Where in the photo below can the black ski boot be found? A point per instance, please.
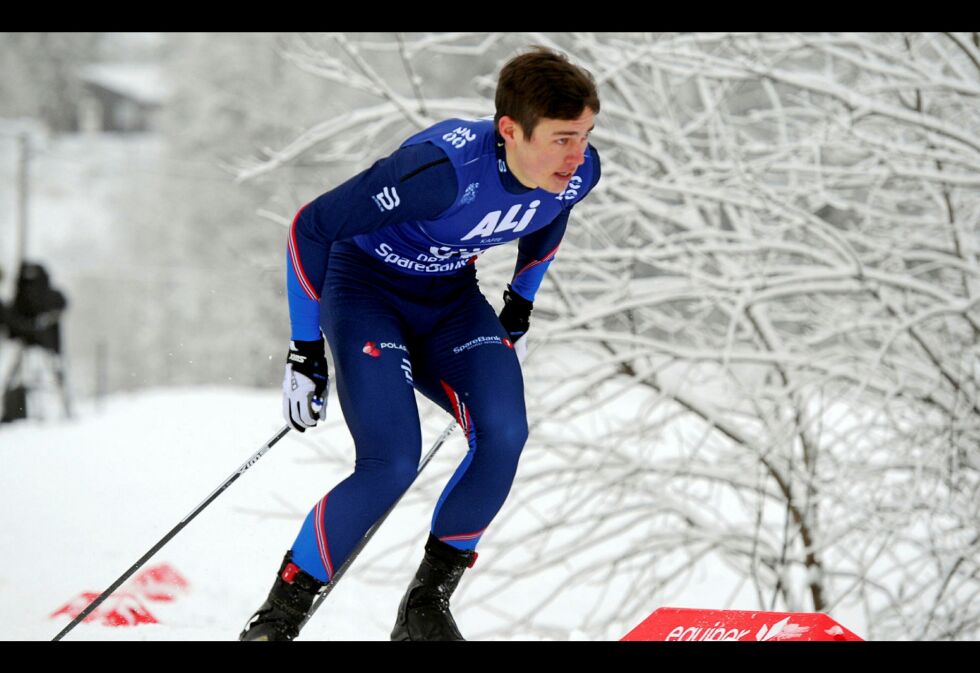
(424, 611)
(289, 601)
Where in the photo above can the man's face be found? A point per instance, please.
(548, 158)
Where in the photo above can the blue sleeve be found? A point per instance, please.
(414, 183)
(537, 250)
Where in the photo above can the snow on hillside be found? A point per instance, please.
(84, 499)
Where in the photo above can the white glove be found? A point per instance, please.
(304, 387)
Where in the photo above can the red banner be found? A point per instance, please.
(684, 624)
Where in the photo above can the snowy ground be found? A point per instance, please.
(84, 499)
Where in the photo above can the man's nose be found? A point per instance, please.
(577, 157)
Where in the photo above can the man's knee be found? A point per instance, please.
(506, 435)
(395, 473)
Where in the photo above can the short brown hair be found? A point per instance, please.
(543, 84)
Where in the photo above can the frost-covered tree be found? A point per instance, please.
(757, 350)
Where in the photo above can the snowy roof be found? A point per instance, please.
(143, 82)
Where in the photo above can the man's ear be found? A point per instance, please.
(509, 129)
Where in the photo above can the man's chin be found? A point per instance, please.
(557, 184)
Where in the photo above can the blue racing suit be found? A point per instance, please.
(384, 266)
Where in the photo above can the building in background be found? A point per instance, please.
(121, 97)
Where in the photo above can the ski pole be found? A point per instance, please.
(377, 524)
(176, 529)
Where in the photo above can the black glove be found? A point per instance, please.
(304, 389)
(516, 319)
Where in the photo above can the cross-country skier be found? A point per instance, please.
(384, 266)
